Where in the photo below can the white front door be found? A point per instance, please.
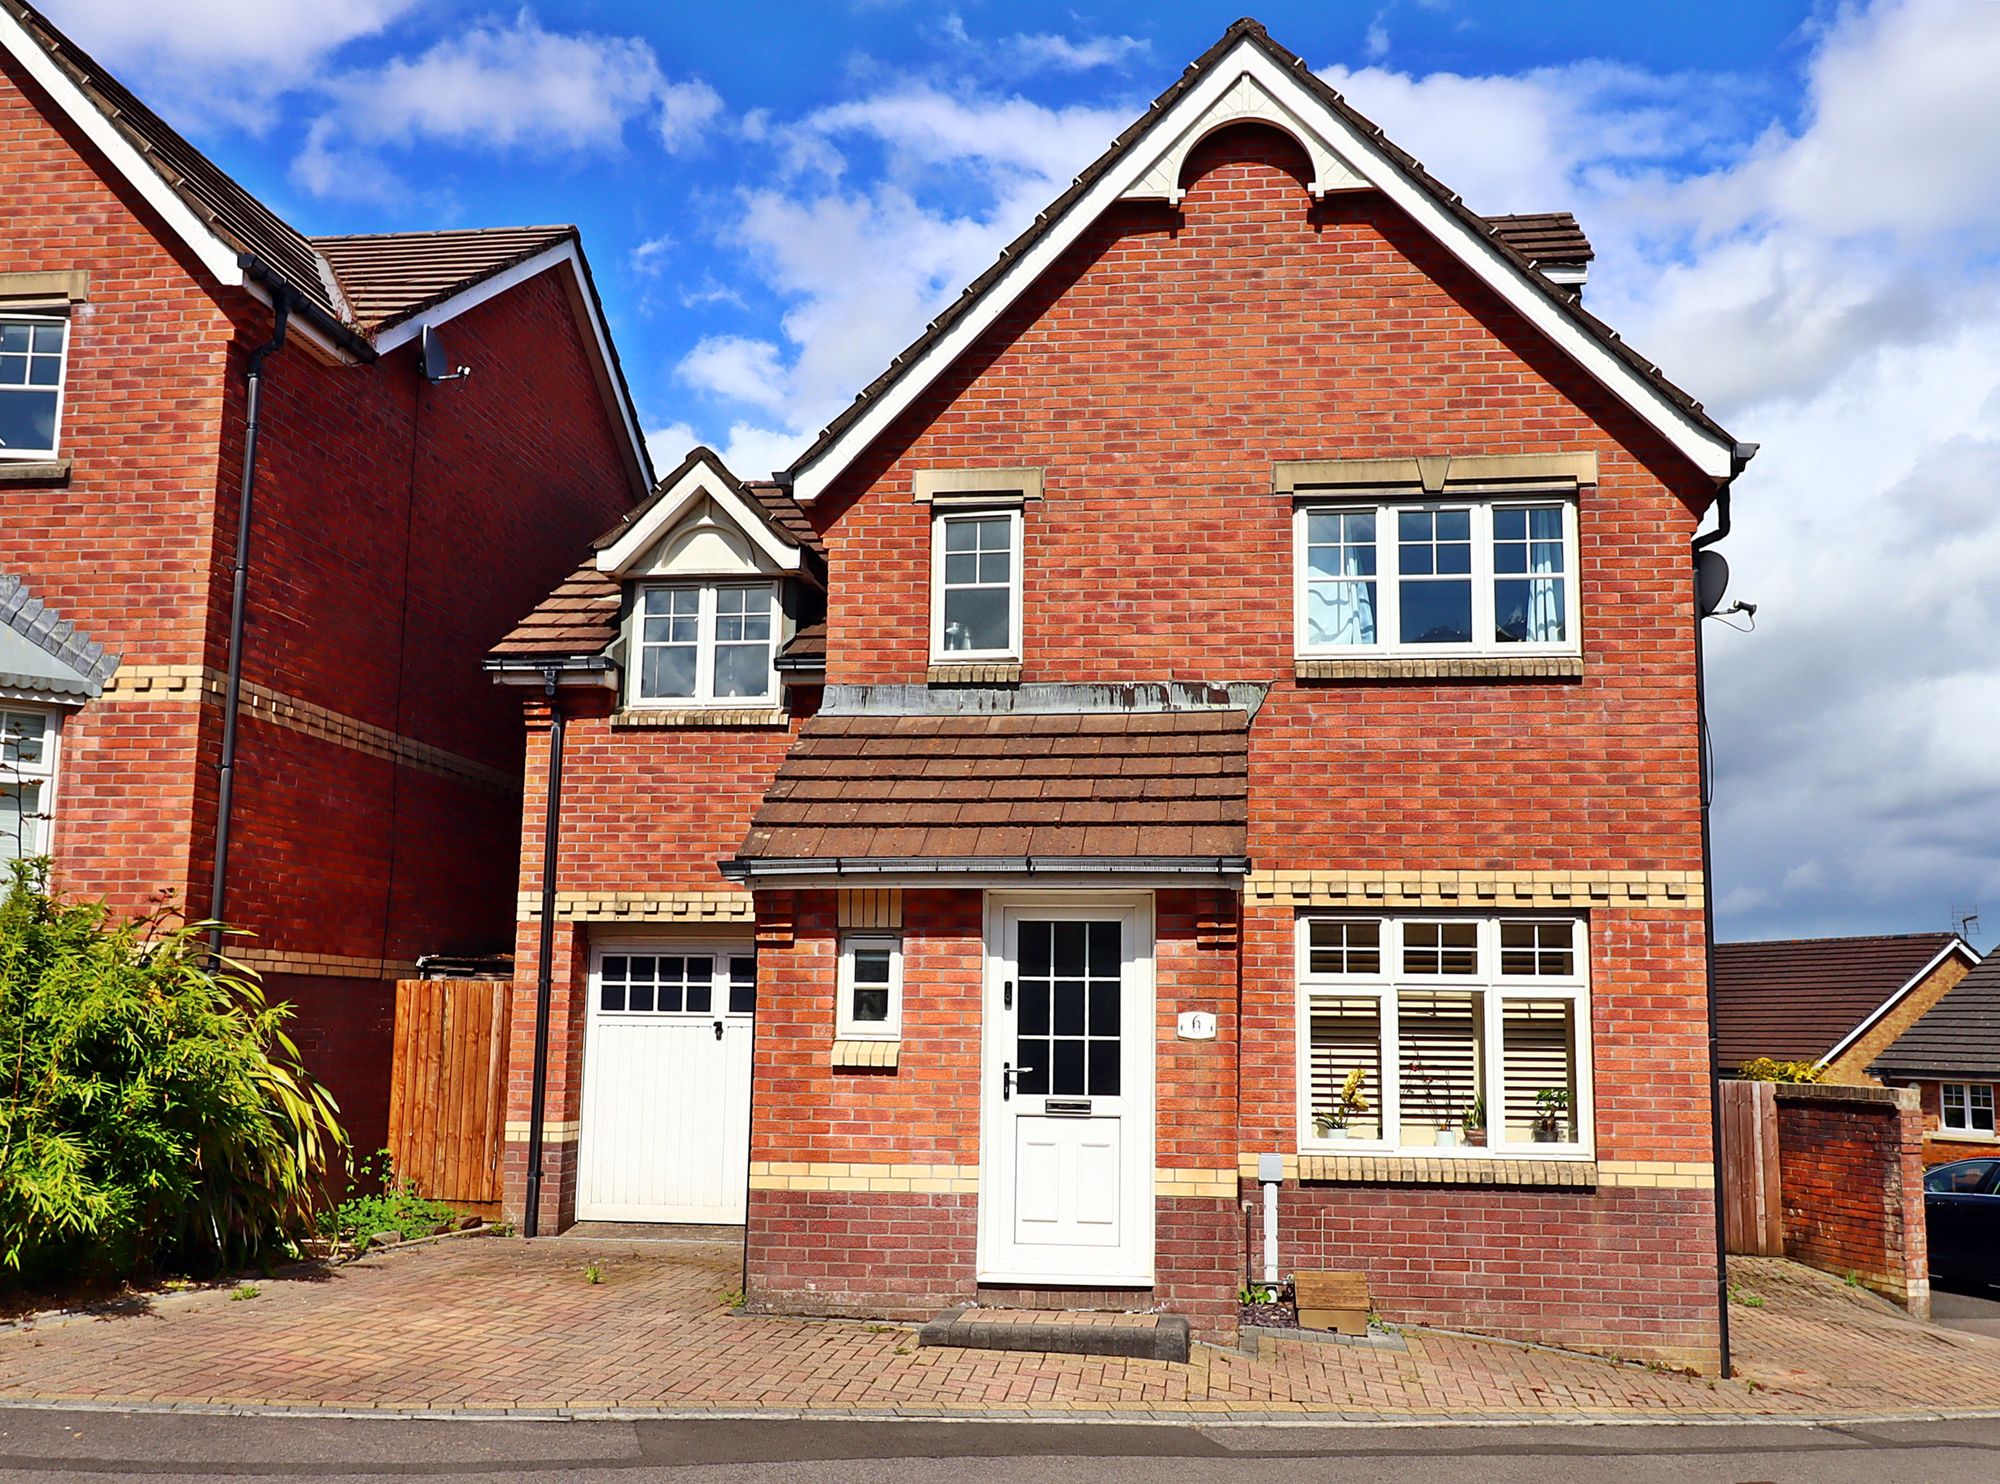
(1066, 1177)
(666, 1083)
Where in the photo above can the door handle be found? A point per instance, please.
(718, 1030)
(1009, 1075)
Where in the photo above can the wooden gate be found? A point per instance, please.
(1752, 1216)
(448, 1088)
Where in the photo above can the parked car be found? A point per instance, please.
(1962, 1210)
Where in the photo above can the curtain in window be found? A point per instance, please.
(1545, 584)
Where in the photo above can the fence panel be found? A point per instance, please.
(448, 1087)
(1753, 1216)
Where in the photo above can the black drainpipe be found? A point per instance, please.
(532, 1218)
(1700, 544)
(232, 695)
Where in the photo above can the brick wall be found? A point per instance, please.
(1851, 1066)
(1851, 1161)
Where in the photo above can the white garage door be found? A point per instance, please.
(666, 1083)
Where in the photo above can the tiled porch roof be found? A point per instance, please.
(1008, 793)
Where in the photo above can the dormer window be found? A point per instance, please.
(33, 350)
(705, 644)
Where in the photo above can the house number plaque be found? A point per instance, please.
(1197, 1025)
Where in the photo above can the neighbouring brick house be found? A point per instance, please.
(1244, 651)
(399, 526)
(1835, 1003)
(1950, 1053)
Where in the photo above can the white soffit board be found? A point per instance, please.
(216, 255)
(563, 253)
(1234, 83)
(708, 480)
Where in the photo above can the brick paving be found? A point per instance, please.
(498, 1323)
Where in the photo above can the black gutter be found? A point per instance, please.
(276, 284)
(1700, 544)
(282, 300)
(531, 1219)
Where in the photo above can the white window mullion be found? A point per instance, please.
(1482, 576)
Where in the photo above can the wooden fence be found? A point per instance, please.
(1752, 1213)
(448, 1088)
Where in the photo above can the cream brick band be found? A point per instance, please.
(641, 718)
(566, 1132)
(1554, 667)
(203, 685)
(866, 1056)
(321, 965)
(1389, 1169)
(662, 907)
(1216, 1184)
(1417, 888)
(915, 1179)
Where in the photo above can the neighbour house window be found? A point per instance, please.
(1425, 1033)
(27, 781)
(976, 585)
(1966, 1107)
(698, 983)
(1457, 577)
(32, 351)
(871, 987)
(705, 644)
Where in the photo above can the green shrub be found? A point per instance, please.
(398, 1208)
(1769, 1069)
(153, 1113)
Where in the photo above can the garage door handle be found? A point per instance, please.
(718, 1030)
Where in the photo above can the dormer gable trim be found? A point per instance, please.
(1247, 74)
(701, 477)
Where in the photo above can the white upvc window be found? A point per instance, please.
(871, 987)
(975, 585)
(28, 738)
(705, 644)
(1443, 1034)
(34, 352)
(1966, 1107)
(1444, 577)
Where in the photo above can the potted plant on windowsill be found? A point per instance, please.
(1552, 1115)
(1475, 1122)
(1333, 1125)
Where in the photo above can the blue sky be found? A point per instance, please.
(1796, 207)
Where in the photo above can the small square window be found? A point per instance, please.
(33, 348)
(870, 1004)
(1966, 1107)
(976, 585)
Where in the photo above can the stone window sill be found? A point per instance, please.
(1458, 667)
(866, 1056)
(43, 471)
(632, 717)
(989, 674)
(1390, 1169)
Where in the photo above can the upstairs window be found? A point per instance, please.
(1449, 577)
(33, 348)
(976, 585)
(27, 781)
(705, 644)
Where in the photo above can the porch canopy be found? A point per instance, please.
(894, 784)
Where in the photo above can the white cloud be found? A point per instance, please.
(1068, 54)
(687, 110)
(226, 59)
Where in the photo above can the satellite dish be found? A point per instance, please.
(437, 360)
(1711, 581)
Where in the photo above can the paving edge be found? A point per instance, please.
(1357, 1420)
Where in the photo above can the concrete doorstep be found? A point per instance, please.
(1132, 1336)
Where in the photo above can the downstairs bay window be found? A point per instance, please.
(27, 780)
(1963, 1107)
(1443, 1035)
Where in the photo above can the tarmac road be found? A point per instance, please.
(41, 1445)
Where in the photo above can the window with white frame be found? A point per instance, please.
(702, 644)
(706, 982)
(1445, 577)
(976, 585)
(1966, 1107)
(27, 780)
(871, 987)
(1428, 1033)
(33, 349)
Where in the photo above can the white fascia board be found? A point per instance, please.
(1712, 455)
(704, 479)
(214, 254)
(1956, 945)
(600, 337)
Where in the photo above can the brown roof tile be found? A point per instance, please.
(1799, 998)
(1544, 238)
(579, 618)
(1057, 787)
(387, 277)
(1959, 1035)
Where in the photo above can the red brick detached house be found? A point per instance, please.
(1224, 696)
(397, 528)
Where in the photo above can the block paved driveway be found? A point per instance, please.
(496, 1323)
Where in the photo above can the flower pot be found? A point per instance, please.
(1476, 1137)
(1447, 1138)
